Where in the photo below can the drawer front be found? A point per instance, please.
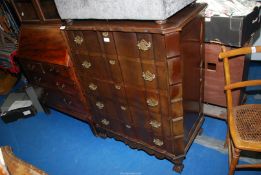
(107, 89)
(32, 66)
(92, 66)
(115, 110)
(26, 10)
(58, 71)
(153, 101)
(64, 102)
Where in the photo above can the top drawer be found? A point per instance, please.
(145, 46)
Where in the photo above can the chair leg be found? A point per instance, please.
(234, 160)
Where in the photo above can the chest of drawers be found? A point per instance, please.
(143, 80)
(46, 63)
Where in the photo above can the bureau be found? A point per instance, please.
(143, 80)
(43, 55)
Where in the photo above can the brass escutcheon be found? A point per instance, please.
(112, 62)
(152, 102)
(158, 142)
(128, 126)
(78, 40)
(105, 122)
(92, 86)
(86, 64)
(155, 123)
(117, 87)
(100, 105)
(143, 45)
(148, 76)
(123, 108)
(105, 34)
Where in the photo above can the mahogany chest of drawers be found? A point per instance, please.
(44, 58)
(143, 80)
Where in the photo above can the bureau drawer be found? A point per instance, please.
(101, 88)
(32, 66)
(58, 71)
(115, 110)
(93, 66)
(64, 102)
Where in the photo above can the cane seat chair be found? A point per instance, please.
(244, 121)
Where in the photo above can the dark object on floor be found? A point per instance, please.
(244, 121)
(16, 166)
(235, 31)
(17, 106)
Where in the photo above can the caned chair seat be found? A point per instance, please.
(246, 124)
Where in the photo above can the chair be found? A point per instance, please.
(244, 121)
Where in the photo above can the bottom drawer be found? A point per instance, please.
(65, 102)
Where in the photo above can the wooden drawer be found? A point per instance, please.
(32, 66)
(64, 102)
(114, 110)
(36, 10)
(26, 10)
(58, 71)
(107, 89)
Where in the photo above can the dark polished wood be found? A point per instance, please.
(36, 11)
(143, 80)
(43, 55)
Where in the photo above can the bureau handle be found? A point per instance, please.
(144, 45)
(148, 76)
(37, 79)
(100, 105)
(78, 40)
(86, 64)
(105, 34)
(152, 102)
(105, 122)
(155, 123)
(31, 66)
(112, 62)
(128, 126)
(117, 87)
(60, 86)
(123, 108)
(92, 86)
(68, 102)
(158, 142)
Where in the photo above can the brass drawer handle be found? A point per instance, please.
(128, 126)
(152, 102)
(155, 123)
(37, 79)
(117, 87)
(60, 86)
(158, 142)
(78, 40)
(112, 62)
(148, 76)
(123, 108)
(92, 86)
(100, 105)
(143, 45)
(105, 122)
(86, 64)
(105, 34)
(31, 66)
(68, 102)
